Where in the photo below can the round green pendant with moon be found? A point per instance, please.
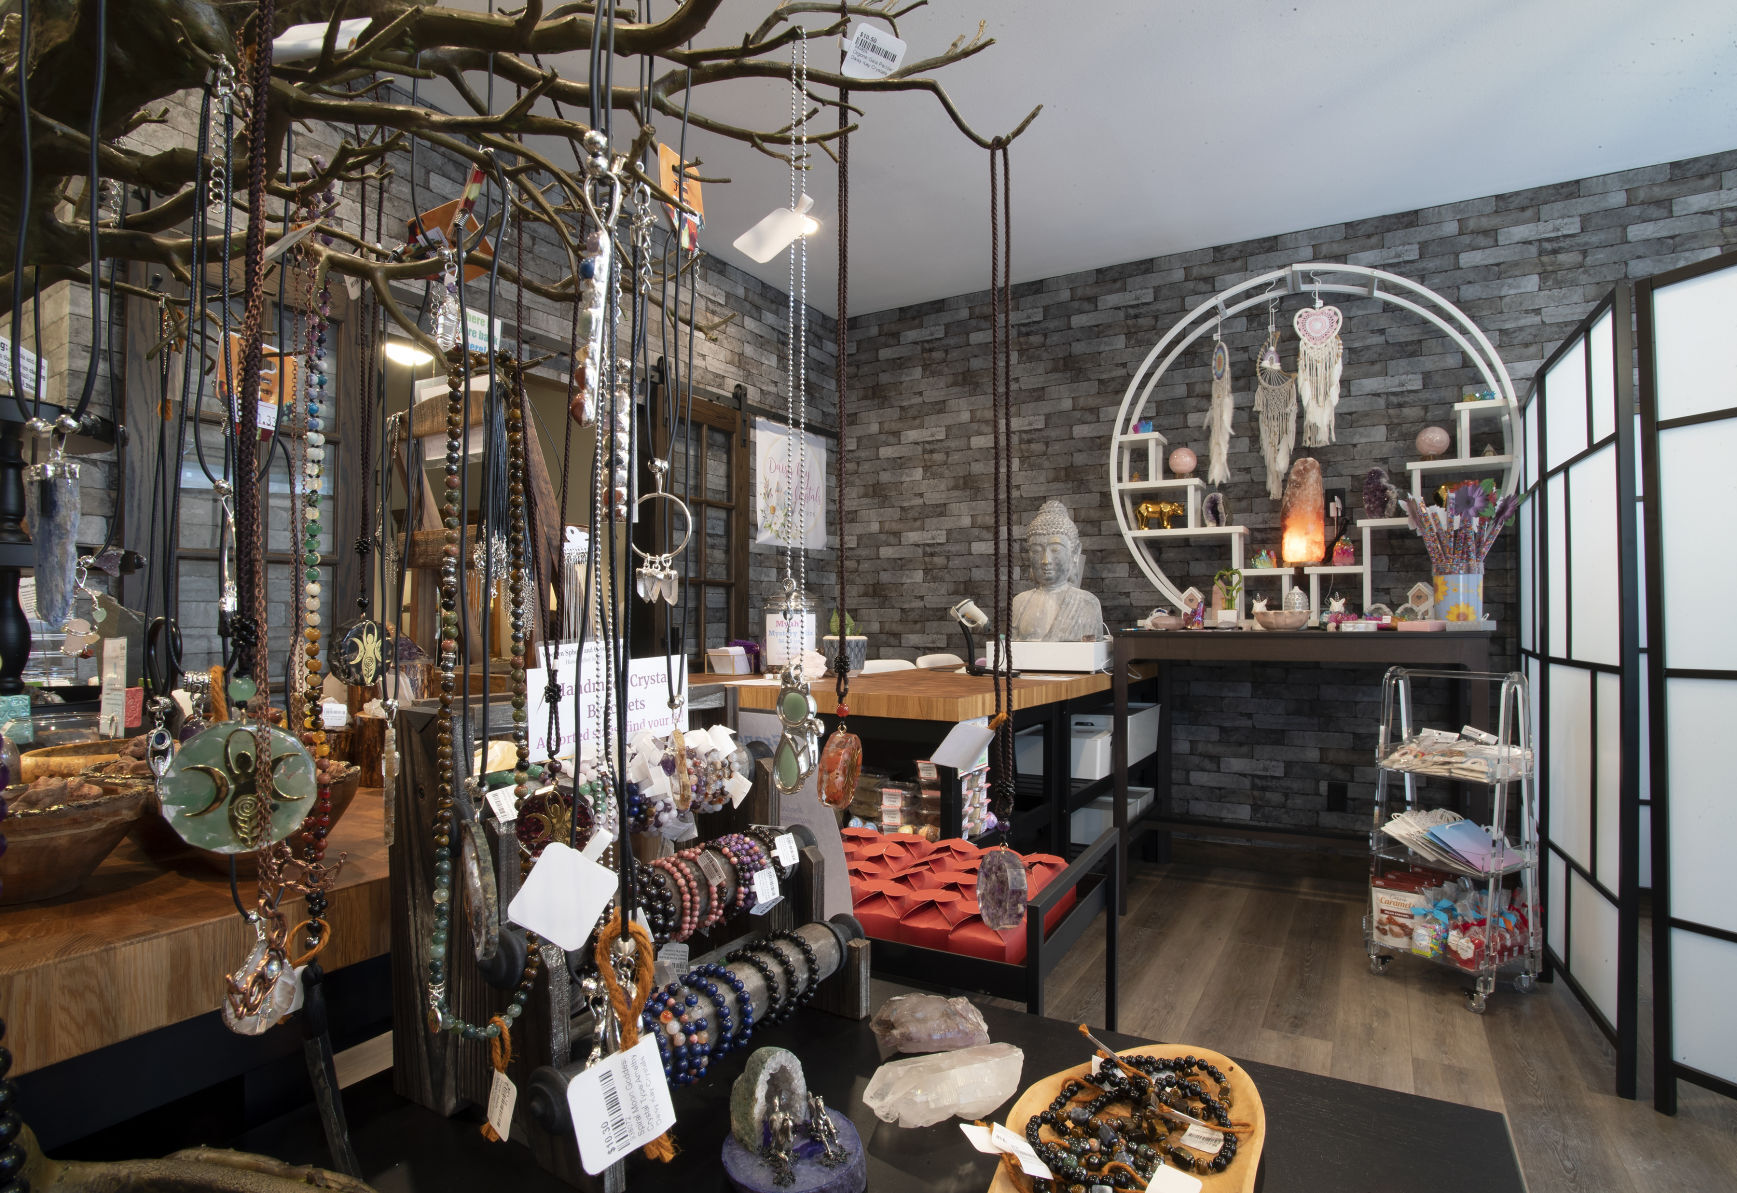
(219, 795)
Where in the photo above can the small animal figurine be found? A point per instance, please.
(1163, 511)
(1260, 605)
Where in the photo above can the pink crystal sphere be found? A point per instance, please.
(1182, 461)
(1433, 441)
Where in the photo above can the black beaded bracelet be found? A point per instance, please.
(808, 956)
(782, 1011)
(752, 959)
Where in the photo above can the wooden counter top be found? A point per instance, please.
(140, 946)
(918, 695)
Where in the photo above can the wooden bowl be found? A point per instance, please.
(52, 851)
(71, 759)
(162, 843)
(1247, 1108)
(1281, 619)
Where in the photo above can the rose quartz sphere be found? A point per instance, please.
(1182, 461)
(1433, 441)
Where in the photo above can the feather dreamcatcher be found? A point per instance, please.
(1276, 408)
(1320, 361)
(1218, 415)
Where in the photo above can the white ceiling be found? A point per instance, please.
(1173, 126)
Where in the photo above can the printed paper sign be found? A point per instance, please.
(648, 708)
(789, 467)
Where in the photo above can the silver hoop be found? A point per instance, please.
(658, 468)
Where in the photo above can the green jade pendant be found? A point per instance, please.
(794, 759)
(214, 794)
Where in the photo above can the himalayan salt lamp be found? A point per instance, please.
(1182, 462)
(1302, 514)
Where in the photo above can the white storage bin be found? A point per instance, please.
(1090, 743)
(1090, 821)
(1142, 732)
(1028, 750)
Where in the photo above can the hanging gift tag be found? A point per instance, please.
(675, 955)
(981, 1138)
(738, 787)
(112, 711)
(1172, 1180)
(563, 896)
(619, 1104)
(500, 802)
(871, 53)
(766, 892)
(784, 849)
(1203, 1139)
(1015, 1144)
(503, 1096)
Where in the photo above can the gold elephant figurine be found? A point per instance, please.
(1161, 510)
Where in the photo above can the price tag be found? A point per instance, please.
(871, 52)
(562, 898)
(675, 955)
(500, 801)
(1203, 1139)
(112, 710)
(619, 1104)
(503, 1096)
(1166, 1179)
(784, 849)
(766, 892)
(334, 714)
(1015, 1145)
(713, 868)
(738, 787)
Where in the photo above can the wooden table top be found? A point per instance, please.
(142, 945)
(918, 694)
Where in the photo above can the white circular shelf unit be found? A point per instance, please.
(1308, 278)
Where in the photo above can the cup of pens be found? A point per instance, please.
(1458, 535)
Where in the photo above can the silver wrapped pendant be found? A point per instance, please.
(51, 502)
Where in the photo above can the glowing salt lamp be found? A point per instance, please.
(1302, 514)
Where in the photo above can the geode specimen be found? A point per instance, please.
(927, 1023)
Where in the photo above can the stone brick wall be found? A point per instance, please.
(1255, 742)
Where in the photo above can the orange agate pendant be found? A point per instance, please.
(840, 764)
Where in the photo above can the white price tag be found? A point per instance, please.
(334, 714)
(619, 1104)
(675, 955)
(1015, 1144)
(503, 1096)
(766, 892)
(562, 898)
(784, 849)
(1203, 1139)
(738, 787)
(500, 802)
(712, 868)
(1172, 1180)
(112, 710)
(871, 53)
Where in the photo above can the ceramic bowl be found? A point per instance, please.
(1280, 620)
(52, 851)
(67, 758)
(164, 844)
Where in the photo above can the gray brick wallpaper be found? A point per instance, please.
(1255, 742)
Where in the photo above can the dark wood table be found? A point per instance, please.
(1323, 1134)
(1468, 650)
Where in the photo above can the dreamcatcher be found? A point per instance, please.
(1320, 361)
(1275, 405)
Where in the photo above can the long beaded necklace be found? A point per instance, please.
(440, 1016)
(311, 465)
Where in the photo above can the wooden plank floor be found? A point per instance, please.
(1270, 967)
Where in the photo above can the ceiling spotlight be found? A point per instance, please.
(403, 352)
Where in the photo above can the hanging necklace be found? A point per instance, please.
(1320, 362)
(841, 760)
(1001, 881)
(1275, 403)
(795, 758)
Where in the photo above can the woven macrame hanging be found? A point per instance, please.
(1218, 415)
(1320, 361)
(1275, 405)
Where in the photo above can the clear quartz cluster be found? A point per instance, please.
(928, 1023)
(920, 1091)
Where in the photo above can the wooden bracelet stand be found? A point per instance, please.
(553, 1037)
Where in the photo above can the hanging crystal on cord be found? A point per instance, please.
(52, 504)
(448, 325)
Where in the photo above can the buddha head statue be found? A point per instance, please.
(1052, 548)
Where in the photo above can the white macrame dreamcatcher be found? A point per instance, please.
(1275, 405)
(1218, 414)
(1320, 361)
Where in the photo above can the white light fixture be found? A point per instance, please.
(403, 352)
(778, 231)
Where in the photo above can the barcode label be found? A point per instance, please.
(1203, 1139)
(619, 1104)
(872, 53)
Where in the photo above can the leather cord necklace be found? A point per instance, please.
(1000, 382)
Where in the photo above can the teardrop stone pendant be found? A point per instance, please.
(787, 766)
(1001, 889)
(840, 765)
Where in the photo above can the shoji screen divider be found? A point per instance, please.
(1580, 647)
(1687, 320)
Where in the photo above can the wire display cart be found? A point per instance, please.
(1490, 856)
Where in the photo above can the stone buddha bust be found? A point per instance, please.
(1057, 609)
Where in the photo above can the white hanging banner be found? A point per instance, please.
(648, 708)
(778, 521)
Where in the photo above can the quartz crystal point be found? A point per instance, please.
(52, 505)
(928, 1023)
(920, 1091)
(1302, 514)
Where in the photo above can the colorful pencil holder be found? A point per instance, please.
(1460, 597)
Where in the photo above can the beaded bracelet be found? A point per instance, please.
(686, 892)
(695, 980)
(760, 966)
(768, 839)
(681, 1040)
(744, 1005)
(781, 1010)
(813, 962)
(748, 858)
(657, 899)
